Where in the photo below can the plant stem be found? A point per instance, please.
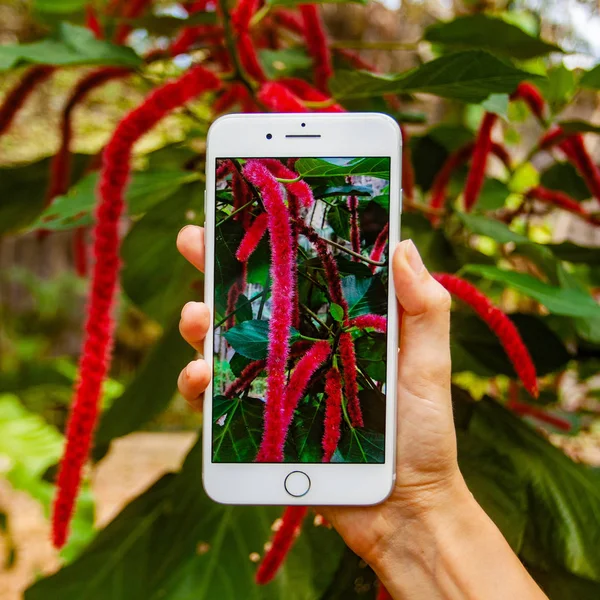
(264, 298)
(282, 180)
(359, 256)
(316, 318)
(260, 14)
(250, 301)
(234, 213)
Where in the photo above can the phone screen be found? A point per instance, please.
(300, 303)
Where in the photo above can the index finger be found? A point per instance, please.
(190, 242)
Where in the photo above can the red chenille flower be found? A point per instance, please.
(333, 413)
(370, 321)
(251, 239)
(278, 98)
(348, 359)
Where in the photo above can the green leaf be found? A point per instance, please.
(559, 87)
(174, 543)
(360, 446)
(491, 228)
(572, 303)
(338, 218)
(575, 254)
(579, 127)
(237, 429)
(59, 6)
(337, 312)
(319, 167)
(493, 195)
(285, 62)
(563, 497)
(145, 189)
(497, 104)
(73, 46)
(307, 432)
(591, 79)
(150, 391)
(23, 191)
(251, 338)
(481, 31)
(469, 76)
(243, 309)
(524, 178)
(564, 177)
(155, 276)
(559, 584)
(364, 295)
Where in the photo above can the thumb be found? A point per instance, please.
(426, 438)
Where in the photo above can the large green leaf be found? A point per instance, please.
(145, 189)
(174, 543)
(565, 178)
(568, 302)
(469, 76)
(490, 33)
(591, 79)
(575, 254)
(364, 295)
(59, 6)
(149, 392)
(251, 338)
(72, 45)
(563, 497)
(360, 446)
(285, 62)
(491, 228)
(237, 429)
(318, 167)
(155, 276)
(23, 191)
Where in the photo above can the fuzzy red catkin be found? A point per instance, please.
(562, 200)
(249, 58)
(348, 359)
(289, 20)
(316, 43)
(502, 154)
(191, 35)
(279, 98)
(308, 93)
(499, 323)
(92, 22)
(305, 369)
(80, 252)
(583, 161)
(60, 168)
(283, 540)
(247, 376)
(532, 97)
(372, 321)
(408, 173)
(526, 410)
(300, 189)
(379, 247)
(223, 169)
(552, 138)
(294, 210)
(242, 195)
(251, 239)
(99, 328)
(280, 239)
(17, 96)
(232, 96)
(132, 10)
(481, 151)
(333, 413)
(242, 14)
(354, 228)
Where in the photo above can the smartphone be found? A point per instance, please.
(302, 212)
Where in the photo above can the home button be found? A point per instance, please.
(297, 484)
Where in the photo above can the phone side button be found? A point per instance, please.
(297, 484)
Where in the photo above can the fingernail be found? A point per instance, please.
(184, 228)
(413, 258)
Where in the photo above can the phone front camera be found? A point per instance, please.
(302, 124)
(269, 136)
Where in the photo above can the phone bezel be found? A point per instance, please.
(340, 134)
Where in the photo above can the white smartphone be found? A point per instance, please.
(302, 211)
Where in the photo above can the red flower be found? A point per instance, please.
(316, 42)
(223, 169)
(371, 321)
(230, 97)
(19, 94)
(280, 239)
(249, 58)
(561, 200)
(80, 252)
(379, 246)
(60, 168)
(252, 238)
(235, 291)
(574, 148)
(305, 369)
(499, 323)
(501, 152)
(552, 138)
(99, 327)
(532, 97)
(354, 228)
(242, 195)
(333, 413)
(283, 539)
(289, 20)
(189, 36)
(278, 98)
(308, 93)
(348, 359)
(92, 22)
(242, 14)
(133, 9)
(300, 189)
(483, 147)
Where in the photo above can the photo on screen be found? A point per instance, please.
(300, 310)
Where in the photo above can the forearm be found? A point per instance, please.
(454, 551)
